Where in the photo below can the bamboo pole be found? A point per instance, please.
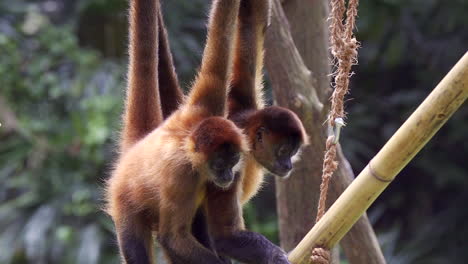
(443, 101)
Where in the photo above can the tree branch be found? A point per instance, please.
(293, 86)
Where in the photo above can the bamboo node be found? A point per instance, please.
(376, 175)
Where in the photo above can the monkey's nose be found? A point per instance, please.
(224, 179)
(286, 165)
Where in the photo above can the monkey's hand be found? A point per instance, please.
(278, 257)
(225, 260)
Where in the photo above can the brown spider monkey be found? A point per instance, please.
(161, 177)
(275, 135)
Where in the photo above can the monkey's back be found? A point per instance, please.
(153, 171)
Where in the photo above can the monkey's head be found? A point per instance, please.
(276, 136)
(217, 147)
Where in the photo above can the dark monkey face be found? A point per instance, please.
(221, 166)
(276, 135)
(276, 153)
(221, 143)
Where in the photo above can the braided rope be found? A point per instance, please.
(329, 167)
(344, 50)
(320, 255)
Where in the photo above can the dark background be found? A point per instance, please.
(62, 78)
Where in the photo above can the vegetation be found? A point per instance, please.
(62, 74)
(55, 151)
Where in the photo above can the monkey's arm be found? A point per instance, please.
(211, 86)
(226, 226)
(169, 89)
(200, 229)
(142, 111)
(176, 239)
(247, 76)
(201, 233)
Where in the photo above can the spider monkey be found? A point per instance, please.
(275, 135)
(161, 177)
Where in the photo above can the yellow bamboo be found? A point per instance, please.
(444, 100)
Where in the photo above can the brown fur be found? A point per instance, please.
(246, 99)
(159, 181)
(224, 207)
(169, 89)
(142, 110)
(155, 170)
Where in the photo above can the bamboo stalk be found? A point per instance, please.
(443, 101)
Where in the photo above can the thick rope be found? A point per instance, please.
(329, 167)
(344, 50)
(320, 255)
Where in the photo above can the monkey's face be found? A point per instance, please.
(221, 166)
(275, 153)
(220, 143)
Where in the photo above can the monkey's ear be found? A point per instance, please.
(306, 140)
(305, 137)
(195, 156)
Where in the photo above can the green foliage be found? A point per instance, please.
(60, 105)
(262, 222)
(55, 155)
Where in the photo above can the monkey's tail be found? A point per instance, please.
(142, 112)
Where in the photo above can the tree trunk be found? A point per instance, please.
(296, 88)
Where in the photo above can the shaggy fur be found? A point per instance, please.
(161, 176)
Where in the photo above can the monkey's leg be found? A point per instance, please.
(174, 233)
(201, 233)
(226, 226)
(135, 240)
(211, 85)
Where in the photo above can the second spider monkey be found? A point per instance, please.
(164, 168)
(275, 136)
(275, 133)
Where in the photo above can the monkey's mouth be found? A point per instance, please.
(282, 174)
(223, 184)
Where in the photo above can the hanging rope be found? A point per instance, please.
(344, 50)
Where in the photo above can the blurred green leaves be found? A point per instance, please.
(62, 73)
(65, 102)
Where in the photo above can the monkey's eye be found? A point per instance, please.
(218, 164)
(283, 151)
(235, 159)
